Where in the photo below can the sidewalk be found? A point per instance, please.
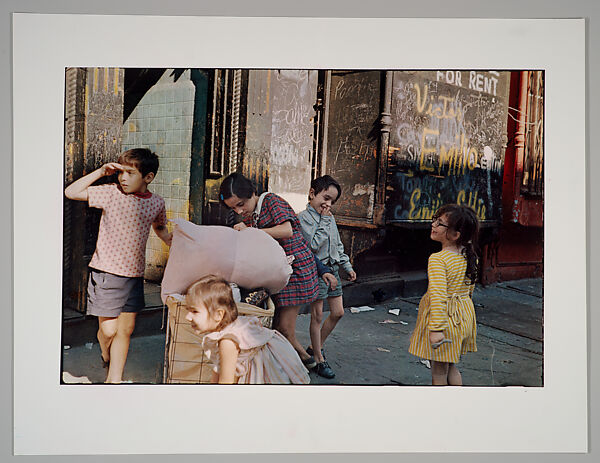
(369, 348)
(362, 350)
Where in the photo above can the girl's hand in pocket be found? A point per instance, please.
(436, 336)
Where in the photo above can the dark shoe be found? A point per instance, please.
(324, 370)
(309, 362)
(309, 351)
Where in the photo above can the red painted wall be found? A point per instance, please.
(517, 249)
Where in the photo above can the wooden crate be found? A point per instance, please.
(185, 361)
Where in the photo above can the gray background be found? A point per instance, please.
(588, 9)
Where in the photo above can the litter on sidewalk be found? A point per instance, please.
(362, 308)
(381, 349)
(89, 345)
(68, 378)
(426, 363)
(388, 321)
(394, 311)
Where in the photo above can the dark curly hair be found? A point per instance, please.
(464, 220)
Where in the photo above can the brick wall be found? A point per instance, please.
(162, 121)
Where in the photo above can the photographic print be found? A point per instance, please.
(396, 146)
(406, 194)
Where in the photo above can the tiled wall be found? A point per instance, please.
(162, 121)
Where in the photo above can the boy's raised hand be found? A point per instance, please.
(326, 210)
(110, 168)
(78, 189)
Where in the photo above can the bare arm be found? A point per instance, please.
(78, 189)
(228, 354)
(281, 231)
(163, 233)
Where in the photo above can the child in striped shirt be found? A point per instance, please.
(446, 326)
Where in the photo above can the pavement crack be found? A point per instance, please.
(521, 335)
(522, 291)
(537, 353)
(395, 381)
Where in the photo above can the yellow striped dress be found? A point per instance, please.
(447, 307)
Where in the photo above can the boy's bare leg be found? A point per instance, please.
(107, 328)
(454, 376)
(439, 373)
(316, 316)
(336, 312)
(120, 346)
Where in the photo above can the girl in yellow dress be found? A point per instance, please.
(446, 326)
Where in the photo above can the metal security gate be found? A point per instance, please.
(226, 137)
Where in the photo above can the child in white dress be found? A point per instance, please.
(241, 349)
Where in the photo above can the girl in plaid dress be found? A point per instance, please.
(278, 219)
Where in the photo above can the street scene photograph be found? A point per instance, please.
(303, 226)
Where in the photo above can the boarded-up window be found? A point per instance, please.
(447, 143)
(352, 135)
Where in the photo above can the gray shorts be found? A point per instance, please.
(108, 295)
(324, 290)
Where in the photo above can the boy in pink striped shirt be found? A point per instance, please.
(116, 285)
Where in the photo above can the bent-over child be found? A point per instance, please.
(115, 292)
(446, 327)
(275, 216)
(242, 350)
(321, 233)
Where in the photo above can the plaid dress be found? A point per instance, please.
(303, 286)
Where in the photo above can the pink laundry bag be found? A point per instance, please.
(250, 258)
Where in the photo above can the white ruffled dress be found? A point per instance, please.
(265, 356)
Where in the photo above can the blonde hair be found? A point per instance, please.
(214, 293)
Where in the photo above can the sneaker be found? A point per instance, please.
(309, 362)
(309, 351)
(324, 370)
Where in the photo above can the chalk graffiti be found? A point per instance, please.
(292, 113)
(447, 109)
(416, 196)
(433, 133)
(447, 143)
(424, 206)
